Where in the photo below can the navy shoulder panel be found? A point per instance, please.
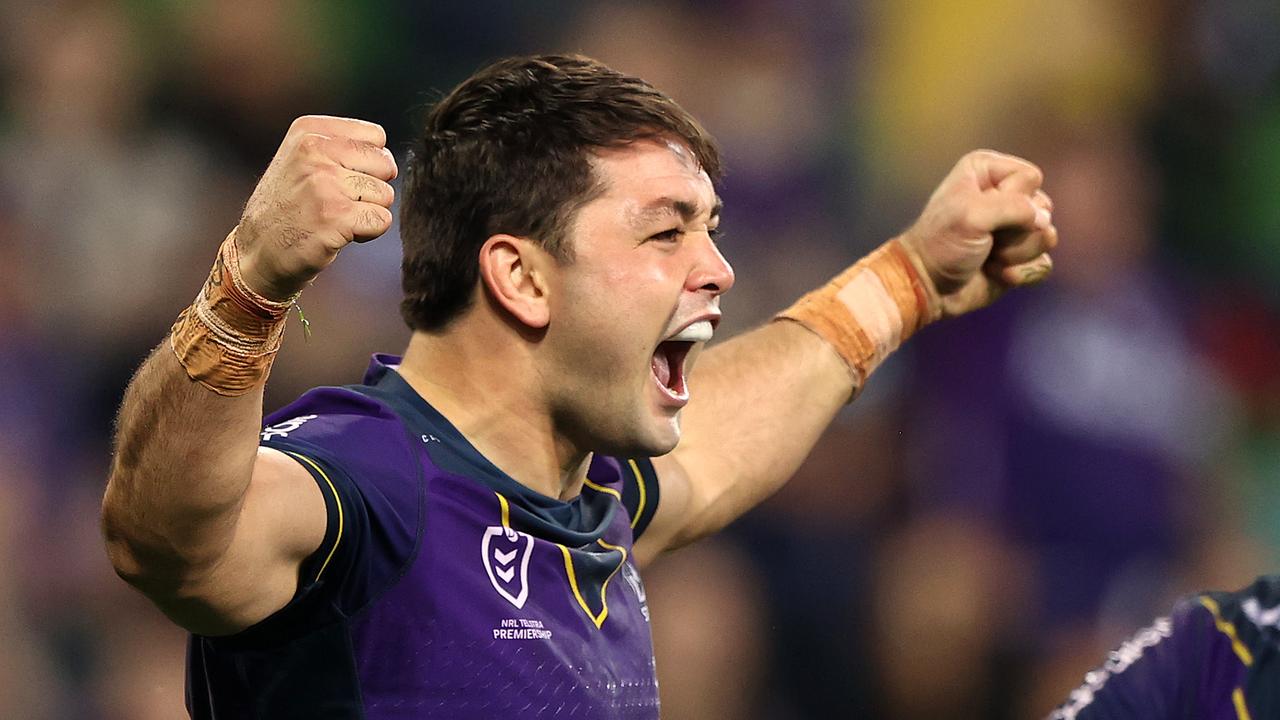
(368, 467)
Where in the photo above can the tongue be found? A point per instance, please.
(662, 367)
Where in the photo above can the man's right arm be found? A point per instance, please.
(208, 525)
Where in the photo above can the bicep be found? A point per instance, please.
(282, 520)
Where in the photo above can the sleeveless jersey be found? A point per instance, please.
(443, 587)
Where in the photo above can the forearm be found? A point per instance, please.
(211, 528)
(760, 402)
(767, 397)
(184, 456)
(187, 434)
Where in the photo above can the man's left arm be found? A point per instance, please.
(760, 401)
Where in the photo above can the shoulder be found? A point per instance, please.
(348, 427)
(357, 448)
(1191, 661)
(1248, 619)
(368, 466)
(325, 412)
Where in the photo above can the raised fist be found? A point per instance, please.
(988, 227)
(326, 186)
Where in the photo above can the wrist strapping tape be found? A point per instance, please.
(227, 339)
(868, 310)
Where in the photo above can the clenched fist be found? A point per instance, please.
(326, 186)
(988, 227)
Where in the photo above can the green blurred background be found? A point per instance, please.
(1014, 493)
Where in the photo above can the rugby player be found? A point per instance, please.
(459, 535)
(1214, 658)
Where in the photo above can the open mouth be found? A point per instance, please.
(668, 364)
(668, 367)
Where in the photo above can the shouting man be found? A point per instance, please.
(459, 536)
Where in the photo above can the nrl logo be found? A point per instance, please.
(505, 552)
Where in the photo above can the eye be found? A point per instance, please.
(666, 235)
(716, 234)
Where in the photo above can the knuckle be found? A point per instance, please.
(320, 180)
(323, 172)
(331, 210)
(311, 143)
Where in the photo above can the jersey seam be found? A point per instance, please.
(337, 540)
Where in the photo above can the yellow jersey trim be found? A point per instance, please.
(603, 489)
(506, 511)
(598, 620)
(635, 468)
(1227, 629)
(1242, 711)
(337, 501)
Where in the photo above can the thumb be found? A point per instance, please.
(1007, 172)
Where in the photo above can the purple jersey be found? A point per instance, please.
(1215, 658)
(443, 587)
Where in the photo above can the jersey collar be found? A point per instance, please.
(579, 520)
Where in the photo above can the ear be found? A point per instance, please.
(515, 272)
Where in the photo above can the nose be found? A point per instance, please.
(712, 272)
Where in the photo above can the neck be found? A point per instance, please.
(486, 386)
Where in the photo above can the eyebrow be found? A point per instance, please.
(666, 205)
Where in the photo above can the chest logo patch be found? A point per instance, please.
(506, 554)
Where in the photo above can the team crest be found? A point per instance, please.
(506, 559)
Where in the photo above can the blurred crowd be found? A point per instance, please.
(1010, 496)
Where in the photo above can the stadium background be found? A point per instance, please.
(1012, 495)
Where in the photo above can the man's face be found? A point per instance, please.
(640, 298)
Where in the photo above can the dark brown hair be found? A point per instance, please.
(508, 152)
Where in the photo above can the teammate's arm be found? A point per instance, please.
(760, 401)
(209, 526)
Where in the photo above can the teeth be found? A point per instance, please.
(698, 332)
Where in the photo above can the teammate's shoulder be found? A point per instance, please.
(1253, 610)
